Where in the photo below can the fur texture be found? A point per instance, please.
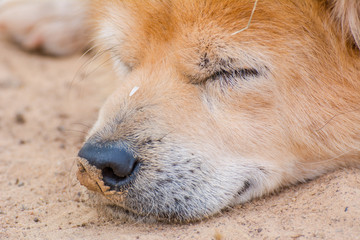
(218, 119)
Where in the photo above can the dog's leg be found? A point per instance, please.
(52, 26)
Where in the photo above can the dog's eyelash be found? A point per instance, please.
(228, 77)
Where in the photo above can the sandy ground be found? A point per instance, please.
(45, 110)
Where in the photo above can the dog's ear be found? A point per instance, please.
(346, 15)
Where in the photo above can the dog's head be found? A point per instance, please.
(211, 112)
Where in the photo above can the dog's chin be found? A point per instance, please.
(111, 211)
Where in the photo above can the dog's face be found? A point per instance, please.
(205, 118)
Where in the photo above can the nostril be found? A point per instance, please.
(110, 178)
(116, 182)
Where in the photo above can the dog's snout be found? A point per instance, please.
(117, 163)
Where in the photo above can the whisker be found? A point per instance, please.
(71, 175)
(321, 162)
(81, 124)
(335, 116)
(97, 68)
(76, 131)
(142, 219)
(86, 52)
(86, 65)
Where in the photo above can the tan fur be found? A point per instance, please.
(346, 14)
(208, 139)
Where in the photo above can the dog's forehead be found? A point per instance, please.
(134, 28)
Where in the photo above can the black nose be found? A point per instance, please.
(116, 162)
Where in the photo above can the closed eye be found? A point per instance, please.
(230, 77)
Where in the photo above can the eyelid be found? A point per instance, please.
(228, 75)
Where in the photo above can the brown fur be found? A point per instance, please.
(221, 118)
(297, 119)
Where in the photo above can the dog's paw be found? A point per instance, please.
(51, 26)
